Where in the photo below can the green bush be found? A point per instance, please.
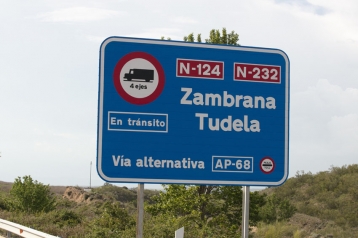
(111, 222)
(67, 218)
(276, 209)
(279, 229)
(31, 196)
(4, 202)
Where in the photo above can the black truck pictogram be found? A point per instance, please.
(144, 74)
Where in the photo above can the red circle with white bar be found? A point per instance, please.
(139, 78)
(267, 165)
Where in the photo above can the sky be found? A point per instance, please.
(49, 56)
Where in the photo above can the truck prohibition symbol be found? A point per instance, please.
(144, 74)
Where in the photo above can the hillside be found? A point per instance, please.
(5, 186)
(330, 194)
(326, 206)
(323, 200)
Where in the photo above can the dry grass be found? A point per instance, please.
(5, 186)
(58, 190)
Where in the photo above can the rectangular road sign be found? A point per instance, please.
(192, 113)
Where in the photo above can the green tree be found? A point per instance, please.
(112, 221)
(31, 196)
(163, 38)
(276, 209)
(182, 200)
(215, 37)
(205, 205)
(196, 207)
(4, 202)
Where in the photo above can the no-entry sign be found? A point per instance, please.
(177, 112)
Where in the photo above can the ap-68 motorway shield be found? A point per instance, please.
(192, 113)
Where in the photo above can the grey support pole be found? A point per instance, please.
(140, 210)
(90, 175)
(245, 211)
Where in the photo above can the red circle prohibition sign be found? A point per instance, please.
(117, 77)
(267, 165)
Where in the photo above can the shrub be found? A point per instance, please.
(279, 229)
(111, 222)
(276, 209)
(31, 196)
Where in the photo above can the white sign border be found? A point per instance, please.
(195, 45)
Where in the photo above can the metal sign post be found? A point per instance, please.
(90, 175)
(179, 233)
(140, 210)
(245, 211)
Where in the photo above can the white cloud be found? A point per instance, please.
(156, 33)
(66, 135)
(327, 97)
(306, 6)
(324, 127)
(96, 39)
(185, 20)
(79, 14)
(344, 130)
(333, 21)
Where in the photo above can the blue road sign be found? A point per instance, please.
(192, 113)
